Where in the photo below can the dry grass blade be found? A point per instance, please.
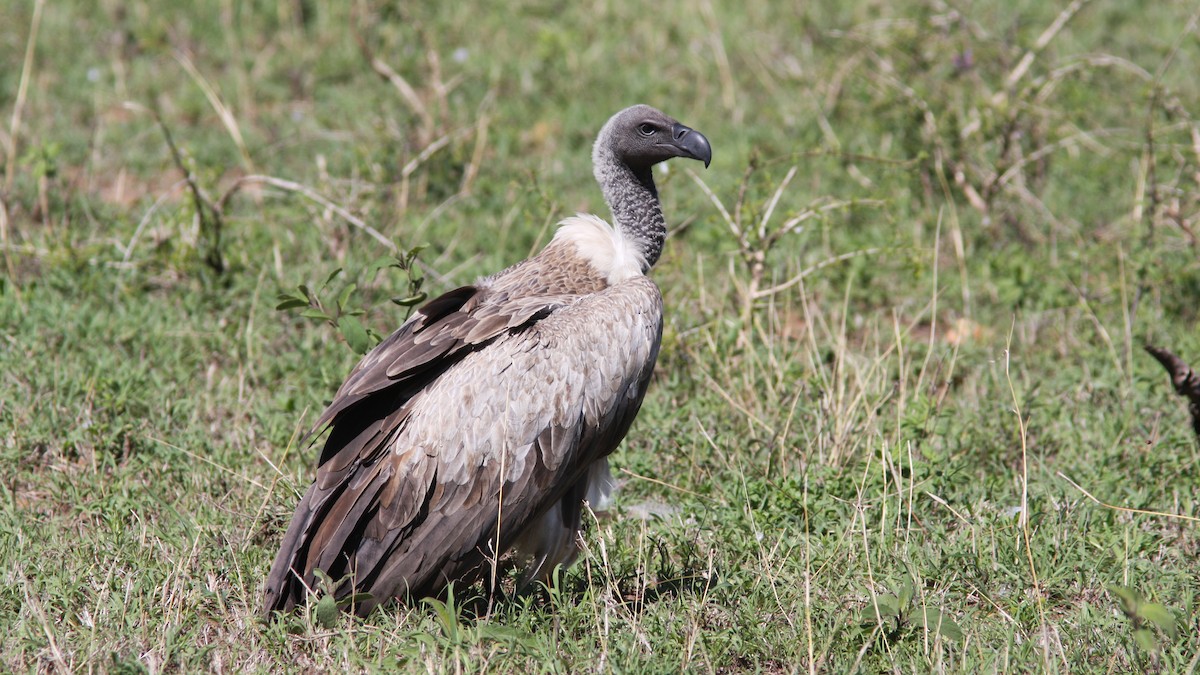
(483, 119)
(219, 467)
(1188, 29)
(8, 261)
(311, 194)
(716, 201)
(1126, 509)
(429, 150)
(14, 125)
(407, 93)
(1047, 36)
(56, 652)
(729, 92)
(1023, 521)
(774, 201)
(145, 220)
(223, 112)
(779, 288)
(656, 481)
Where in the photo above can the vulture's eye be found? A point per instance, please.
(646, 129)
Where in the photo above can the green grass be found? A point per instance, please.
(874, 469)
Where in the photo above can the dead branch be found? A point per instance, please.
(212, 223)
(1185, 380)
(311, 195)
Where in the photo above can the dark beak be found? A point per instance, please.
(691, 143)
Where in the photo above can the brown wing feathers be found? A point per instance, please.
(368, 411)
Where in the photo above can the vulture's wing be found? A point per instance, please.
(436, 335)
(454, 442)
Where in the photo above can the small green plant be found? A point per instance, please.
(327, 611)
(343, 314)
(459, 638)
(1144, 616)
(43, 161)
(406, 262)
(896, 615)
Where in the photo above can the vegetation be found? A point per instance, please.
(902, 420)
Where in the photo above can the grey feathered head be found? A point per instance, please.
(641, 136)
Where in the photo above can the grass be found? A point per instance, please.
(901, 422)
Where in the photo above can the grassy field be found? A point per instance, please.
(902, 419)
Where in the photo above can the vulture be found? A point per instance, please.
(483, 423)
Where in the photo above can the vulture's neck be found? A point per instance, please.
(633, 199)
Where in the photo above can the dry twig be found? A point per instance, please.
(1185, 380)
(14, 125)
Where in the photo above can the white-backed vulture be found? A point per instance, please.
(486, 420)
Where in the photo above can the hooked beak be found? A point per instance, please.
(691, 143)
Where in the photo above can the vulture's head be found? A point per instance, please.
(641, 137)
